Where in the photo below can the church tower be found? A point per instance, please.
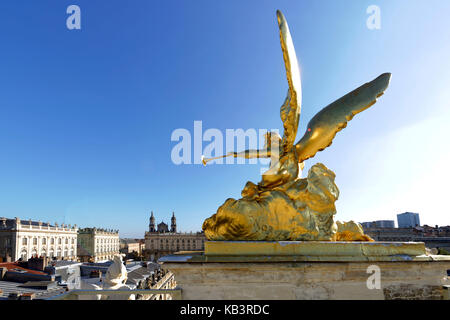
(152, 224)
(173, 226)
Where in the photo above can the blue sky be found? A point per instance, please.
(86, 115)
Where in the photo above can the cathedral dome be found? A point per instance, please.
(163, 227)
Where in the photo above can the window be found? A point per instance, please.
(59, 241)
(52, 240)
(35, 241)
(67, 241)
(44, 241)
(24, 241)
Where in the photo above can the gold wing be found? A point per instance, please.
(290, 110)
(330, 120)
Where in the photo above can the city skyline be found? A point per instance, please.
(87, 119)
(181, 230)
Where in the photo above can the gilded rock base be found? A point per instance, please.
(302, 209)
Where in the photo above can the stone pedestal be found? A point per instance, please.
(309, 270)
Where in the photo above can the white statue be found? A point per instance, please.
(116, 274)
(115, 279)
(84, 285)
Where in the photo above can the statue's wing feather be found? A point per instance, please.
(330, 120)
(290, 110)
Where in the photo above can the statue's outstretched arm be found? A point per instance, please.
(248, 154)
(324, 126)
(252, 153)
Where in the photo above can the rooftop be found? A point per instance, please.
(63, 263)
(12, 222)
(7, 287)
(15, 266)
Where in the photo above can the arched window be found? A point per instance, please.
(24, 254)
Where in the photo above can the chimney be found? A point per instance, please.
(37, 263)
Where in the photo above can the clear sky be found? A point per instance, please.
(86, 115)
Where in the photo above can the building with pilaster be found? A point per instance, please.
(161, 240)
(24, 239)
(96, 245)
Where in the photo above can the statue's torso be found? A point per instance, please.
(281, 170)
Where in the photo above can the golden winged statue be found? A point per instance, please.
(282, 206)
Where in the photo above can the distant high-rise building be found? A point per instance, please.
(408, 220)
(379, 224)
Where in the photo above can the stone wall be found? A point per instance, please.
(413, 292)
(309, 280)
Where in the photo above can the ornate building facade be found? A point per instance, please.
(23, 239)
(132, 247)
(97, 244)
(161, 240)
